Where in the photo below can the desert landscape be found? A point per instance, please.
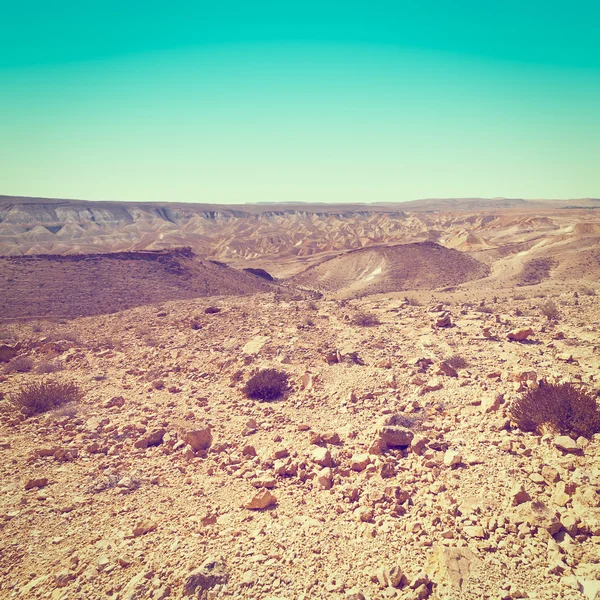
(300, 401)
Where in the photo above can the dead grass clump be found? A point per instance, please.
(365, 319)
(20, 364)
(267, 384)
(457, 361)
(412, 301)
(550, 310)
(40, 397)
(562, 408)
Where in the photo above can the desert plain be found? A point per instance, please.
(390, 466)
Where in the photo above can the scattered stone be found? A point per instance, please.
(212, 572)
(143, 527)
(359, 462)
(452, 458)
(322, 456)
(520, 335)
(154, 438)
(566, 444)
(262, 500)
(199, 438)
(36, 483)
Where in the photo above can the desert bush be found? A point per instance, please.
(488, 310)
(364, 319)
(563, 408)
(412, 301)
(39, 397)
(7, 353)
(457, 361)
(549, 310)
(267, 384)
(211, 310)
(20, 364)
(48, 366)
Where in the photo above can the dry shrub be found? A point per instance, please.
(364, 319)
(457, 361)
(412, 301)
(267, 384)
(20, 364)
(549, 310)
(212, 310)
(563, 408)
(40, 397)
(7, 353)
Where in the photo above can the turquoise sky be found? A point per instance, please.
(311, 101)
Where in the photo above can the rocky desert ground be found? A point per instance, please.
(390, 467)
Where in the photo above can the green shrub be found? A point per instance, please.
(563, 408)
(267, 384)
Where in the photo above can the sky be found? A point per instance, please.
(313, 101)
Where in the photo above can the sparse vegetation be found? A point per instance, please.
(365, 319)
(20, 364)
(39, 397)
(7, 353)
(457, 361)
(564, 408)
(412, 301)
(586, 290)
(267, 384)
(550, 310)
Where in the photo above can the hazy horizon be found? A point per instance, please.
(262, 103)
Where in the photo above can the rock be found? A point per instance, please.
(324, 478)
(359, 462)
(354, 594)
(418, 444)
(143, 527)
(518, 495)
(322, 457)
(491, 403)
(446, 369)
(212, 572)
(392, 577)
(255, 345)
(537, 514)
(443, 321)
(520, 335)
(198, 439)
(262, 500)
(115, 401)
(550, 474)
(590, 588)
(154, 438)
(393, 434)
(566, 444)
(453, 567)
(63, 577)
(475, 531)
(452, 458)
(40, 482)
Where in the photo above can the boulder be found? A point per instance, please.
(566, 444)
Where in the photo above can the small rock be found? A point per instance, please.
(198, 439)
(262, 500)
(322, 457)
(212, 572)
(566, 444)
(143, 527)
(520, 335)
(40, 482)
(359, 462)
(452, 458)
